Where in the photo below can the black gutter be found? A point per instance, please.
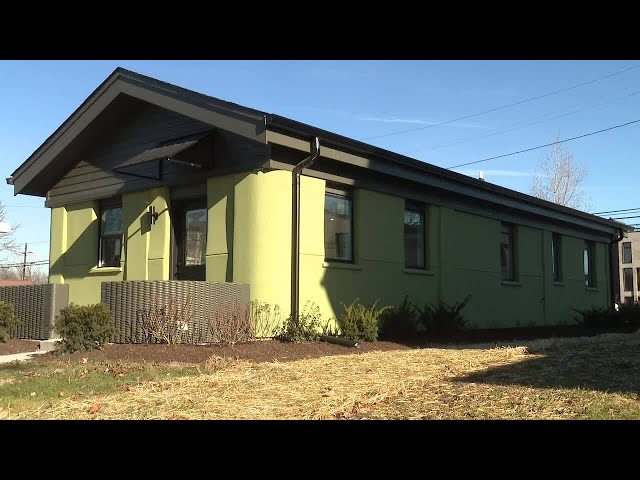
(340, 142)
(295, 228)
(615, 269)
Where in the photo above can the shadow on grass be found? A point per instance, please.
(608, 363)
(483, 338)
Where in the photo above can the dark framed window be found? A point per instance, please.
(414, 236)
(556, 255)
(628, 300)
(110, 233)
(627, 279)
(589, 263)
(338, 226)
(507, 251)
(626, 252)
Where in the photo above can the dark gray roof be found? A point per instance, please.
(277, 122)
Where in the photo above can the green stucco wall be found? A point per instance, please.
(74, 245)
(463, 257)
(249, 241)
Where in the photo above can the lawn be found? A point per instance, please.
(581, 378)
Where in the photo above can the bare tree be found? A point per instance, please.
(561, 179)
(8, 244)
(35, 275)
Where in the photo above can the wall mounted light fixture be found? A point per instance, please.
(153, 215)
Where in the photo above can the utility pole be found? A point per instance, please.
(24, 263)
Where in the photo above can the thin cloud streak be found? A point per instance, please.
(417, 121)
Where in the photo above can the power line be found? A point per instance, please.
(502, 106)
(545, 145)
(618, 211)
(624, 218)
(24, 206)
(519, 125)
(29, 264)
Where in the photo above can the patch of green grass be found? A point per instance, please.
(35, 385)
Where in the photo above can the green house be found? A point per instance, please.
(150, 181)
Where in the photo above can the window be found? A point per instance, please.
(556, 252)
(628, 300)
(627, 279)
(626, 252)
(338, 226)
(110, 246)
(589, 274)
(507, 252)
(414, 236)
(195, 242)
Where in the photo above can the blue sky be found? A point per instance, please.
(362, 99)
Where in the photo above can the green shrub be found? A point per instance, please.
(628, 315)
(595, 317)
(84, 327)
(399, 322)
(330, 328)
(306, 329)
(442, 319)
(8, 321)
(358, 322)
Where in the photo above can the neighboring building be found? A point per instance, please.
(14, 283)
(149, 181)
(630, 268)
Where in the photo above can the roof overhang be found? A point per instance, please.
(38, 172)
(288, 133)
(169, 151)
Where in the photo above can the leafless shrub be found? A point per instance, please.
(167, 322)
(235, 322)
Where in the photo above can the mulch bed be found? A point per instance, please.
(274, 350)
(259, 351)
(15, 345)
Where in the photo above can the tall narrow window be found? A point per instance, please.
(556, 252)
(111, 230)
(626, 252)
(414, 236)
(338, 226)
(507, 252)
(589, 273)
(627, 279)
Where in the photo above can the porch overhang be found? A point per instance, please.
(168, 151)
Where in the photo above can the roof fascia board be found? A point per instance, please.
(437, 181)
(90, 100)
(474, 208)
(245, 125)
(250, 125)
(62, 140)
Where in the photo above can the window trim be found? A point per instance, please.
(630, 253)
(420, 208)
(347, 194)
(556, 257)
(107, 204)
(512, 252)
(590, 278)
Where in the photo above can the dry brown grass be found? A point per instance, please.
(531, 382)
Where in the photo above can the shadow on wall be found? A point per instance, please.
(610, 363)
(79, 257)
